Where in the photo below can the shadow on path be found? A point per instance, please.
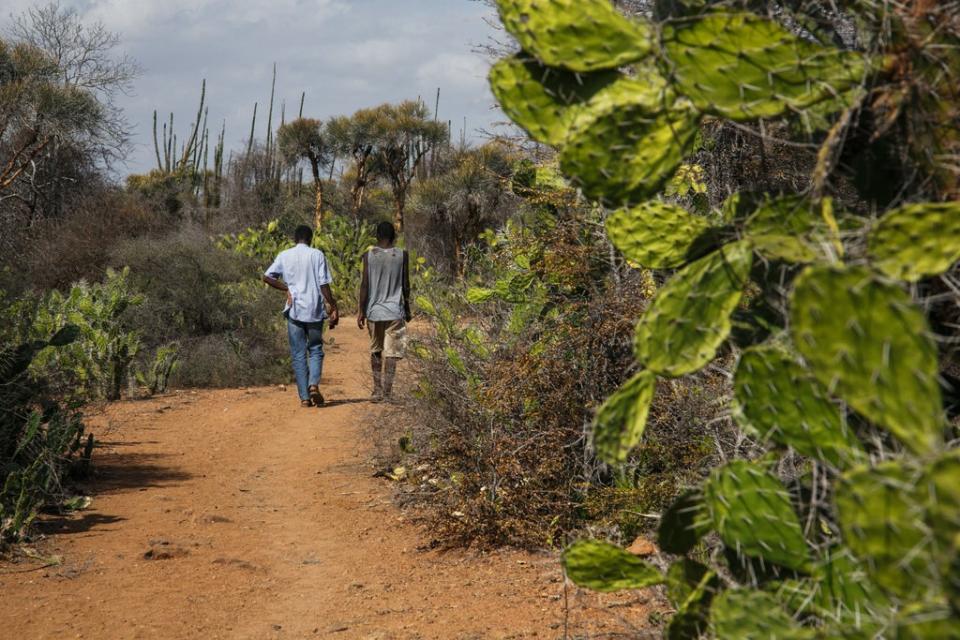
(76, 523)
(115, 472)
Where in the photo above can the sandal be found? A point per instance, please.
(315, 396)
(306, 404)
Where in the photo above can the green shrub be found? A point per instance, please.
(211, 302)
(847, 526)
(97, 364)
(342, 241)
(39, 440)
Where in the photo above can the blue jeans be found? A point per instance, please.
(306, 349)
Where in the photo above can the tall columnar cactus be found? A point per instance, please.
(860, 539)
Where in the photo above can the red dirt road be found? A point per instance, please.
(236, 514)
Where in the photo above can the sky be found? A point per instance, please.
(345, 54)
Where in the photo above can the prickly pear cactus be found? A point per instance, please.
(580, 35)
(853, 531)
(690, 317)
(871, 346)
(658, 235)
(781, 402)
(751, 510)
(743, 67)
(543, 100)
(916, 241)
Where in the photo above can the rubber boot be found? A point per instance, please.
(376, 366)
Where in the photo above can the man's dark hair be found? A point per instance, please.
(304, 234)
(386, 231)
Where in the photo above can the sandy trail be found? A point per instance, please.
(236, 514)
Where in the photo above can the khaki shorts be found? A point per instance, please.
(388, 337)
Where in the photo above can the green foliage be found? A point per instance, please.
(580, 35)
(753, 615)
(743, 67)
(783, 403)
(166, 360)
(39, 439)
(683, 523)
(752, 512)
(916, 241)
(97, 364)
(792, 229)
(690, 317)
(867, 342)
(621, 420)
(628, 115)
(543, 100)
(856, 536)
(658, 235)
(342, 241)
(605, 567)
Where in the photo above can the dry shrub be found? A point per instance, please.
(79, 246)
(509, 453)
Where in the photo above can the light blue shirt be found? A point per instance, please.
(304, 270)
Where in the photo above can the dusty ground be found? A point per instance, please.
(236, 514)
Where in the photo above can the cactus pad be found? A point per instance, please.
(621, 420)
(752, 512)
(742, 67)
(683, 523)
(943, 481)
(690, 317)
(790, 229)
(868, 343)
(657, 235)
(881, 512)
(785, 404)
(917, 241)
(543, 100)
(626, 142)
(601, 566)
(690, 587)
(743, 614)
(581, 35)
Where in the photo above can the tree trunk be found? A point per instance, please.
(400, 206)
(318, 185)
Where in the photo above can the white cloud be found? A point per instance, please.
(457, 71)
(344, 54)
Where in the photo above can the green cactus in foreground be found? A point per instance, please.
(690, 318)
(867, 342)
(916, 241)
(580, 35)
(856, 536)
(782, 403)
(659, 235)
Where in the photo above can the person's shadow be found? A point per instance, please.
(337, 403)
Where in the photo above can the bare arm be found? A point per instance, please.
(280, 286)
(334, 311)
(406, 287)
(364, 293)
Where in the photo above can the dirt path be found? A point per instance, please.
(235, 514)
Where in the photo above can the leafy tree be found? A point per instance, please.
(36, 111)
(307, 139)
(453, 208)
(403, 135)
(355, 137)
(84, 57)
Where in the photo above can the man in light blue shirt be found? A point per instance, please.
(302, 272)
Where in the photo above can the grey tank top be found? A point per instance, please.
(385, 290)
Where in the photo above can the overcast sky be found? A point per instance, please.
(345, 54)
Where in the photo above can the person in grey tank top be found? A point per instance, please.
(385, 307)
